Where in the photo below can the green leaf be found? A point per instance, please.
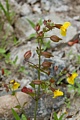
(16, 42)
(2, 50)
(32, 85)
(55, 116)
(23, 117)
(44, 86)
(14, 62)
(40, 22)
(16, 116)
(32, 35)
(18, 106)
(32, 94)
(7, 5)
(46, 45)
(70, 88)
(7, 72)
(61, 117)
(31, 23)
(2, 8)
(21, 69)
(25, 103)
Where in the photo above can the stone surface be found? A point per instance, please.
(20, 51)
(25, 9)
(9, 101)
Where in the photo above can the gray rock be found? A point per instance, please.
(25, 9)
(62, 8)
(20, 51)
(36, 8)
(22, 28)
(32, 1)
(8, 29)
(45, 5)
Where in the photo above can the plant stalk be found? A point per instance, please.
(38, 91)
(35, 111)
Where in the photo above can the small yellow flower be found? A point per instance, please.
(64, 27)
(57, 93)
(71, 78)
(14, 85)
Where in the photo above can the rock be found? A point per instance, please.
(32, 1)
(25, 9)
(8, 29)
(36, 8)
(62, 8)
(21, 28)
(20, 51)
(45, 5)
(77, 18)
(9, 101)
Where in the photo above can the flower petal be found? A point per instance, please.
(15, 86)
(66, 25)
(57, 93)
(74, 75)
(63, 32)
(70, 80)
(12, 81)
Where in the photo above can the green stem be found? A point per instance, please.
(39, 65)
(38, 91)
(19, 104)
(36, 106)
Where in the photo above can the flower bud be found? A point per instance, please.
(2, 71)
(46, 54)
(37, 28)
(49, 20)
(55, 68)
(45, 22)
(55, 38)
(37, 82)
(41, 34)
(46, 64)
(52, 80)
(27, 55)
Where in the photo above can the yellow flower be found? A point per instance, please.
(57, 93)
(14, 85)
(71, 78)
(64, 27)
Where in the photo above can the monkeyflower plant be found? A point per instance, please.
(40, 87)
